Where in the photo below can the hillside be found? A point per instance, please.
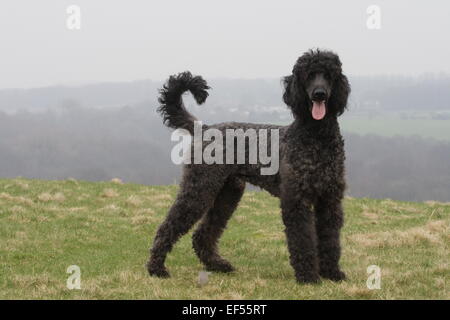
(106, 229)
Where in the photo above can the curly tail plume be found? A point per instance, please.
(171, 106)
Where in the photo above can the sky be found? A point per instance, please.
(151, 39)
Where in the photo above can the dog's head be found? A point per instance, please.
(317, 88)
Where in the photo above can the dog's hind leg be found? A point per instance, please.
(205, 238)
(198, 190)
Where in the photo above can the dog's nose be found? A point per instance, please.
(319, 94)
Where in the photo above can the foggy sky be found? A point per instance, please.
(129, 40)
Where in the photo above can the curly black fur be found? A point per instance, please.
(310, 182)
(171, 107)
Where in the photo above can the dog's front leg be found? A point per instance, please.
(301, 236)
(330, 218)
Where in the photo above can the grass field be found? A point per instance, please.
(106, 230)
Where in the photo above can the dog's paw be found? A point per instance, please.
(157, 271)
(220, 266)
(308, 278)
(335, 275)
(160, 273)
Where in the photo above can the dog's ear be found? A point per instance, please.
(340, 93)
(294, 93)
(295, 96)
(287, 96)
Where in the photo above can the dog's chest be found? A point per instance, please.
(319, 165)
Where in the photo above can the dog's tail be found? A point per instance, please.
(171, 106)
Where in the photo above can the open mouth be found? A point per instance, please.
(318, 109)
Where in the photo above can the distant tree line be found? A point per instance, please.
(383, 93)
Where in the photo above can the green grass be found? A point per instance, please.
(392, 126)
(106, 229)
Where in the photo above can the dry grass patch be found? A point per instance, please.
(134, 201)
(46, 197)
(145, 211)
(370, 215)
(431, 232)
(436, 203)
(141, 219)
(76, 209)
(16, 199)
(17, 209)
(23, 185)
(116, 181)
(110, 207)
(160, 197)
(359, 292)
(109, 193)
(240, 219)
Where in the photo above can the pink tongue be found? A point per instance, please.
(318, 110)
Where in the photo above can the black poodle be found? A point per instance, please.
(310, 182)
